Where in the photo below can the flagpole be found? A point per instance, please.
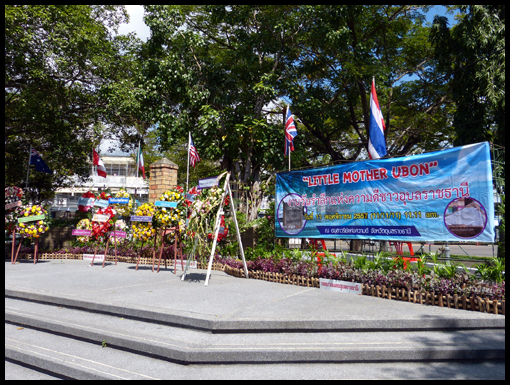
(286, 143)
(137, 165)
(138, 159)
(28, 167)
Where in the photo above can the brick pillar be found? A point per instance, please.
(163, 177)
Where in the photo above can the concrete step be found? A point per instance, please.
(33, 354)
(191, 346)
(250, 322)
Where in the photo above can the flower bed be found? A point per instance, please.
(478, 296)
(474, 303)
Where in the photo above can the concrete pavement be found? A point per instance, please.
(152, 324)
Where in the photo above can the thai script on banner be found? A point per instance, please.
(375, 196)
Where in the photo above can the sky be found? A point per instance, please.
(136, 23)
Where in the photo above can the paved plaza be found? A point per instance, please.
(250, 328)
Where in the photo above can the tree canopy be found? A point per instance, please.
(226, 72)
(223, 71)
(471, 56)
(59, 62)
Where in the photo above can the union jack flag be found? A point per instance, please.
(290, 132)
(193, 154)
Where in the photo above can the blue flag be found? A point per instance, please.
(38, 162)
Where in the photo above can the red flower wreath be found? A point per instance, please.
(99, 229)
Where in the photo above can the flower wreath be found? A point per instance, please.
(88, 195)
(84, 224)
(124, 209)
(169, 217)
(119, 225)
(12, 194)
(203, 212)
(144, 230)
(206, 200)
(99, 229)
(36, 228)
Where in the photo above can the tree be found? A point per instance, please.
(472, 58)
(340, 53)
(211, 70)
(59, 62)
(221, 71)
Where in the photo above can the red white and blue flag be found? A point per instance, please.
(193, 154)
(290, 132)
(376, 140)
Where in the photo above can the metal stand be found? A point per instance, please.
(189, 258)
(226, 188)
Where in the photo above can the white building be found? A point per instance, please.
(121, 173)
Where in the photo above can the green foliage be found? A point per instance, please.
(265, 229)
(295, 255)
(421, 267)
(59, 60)
(472, 56)
(360, 262)
(381, 261)
(493, 270)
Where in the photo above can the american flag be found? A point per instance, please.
(193, 154)
(290, 132)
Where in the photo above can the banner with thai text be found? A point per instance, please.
(438, 196)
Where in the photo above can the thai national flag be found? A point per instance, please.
(290, 132)
(376, 140)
